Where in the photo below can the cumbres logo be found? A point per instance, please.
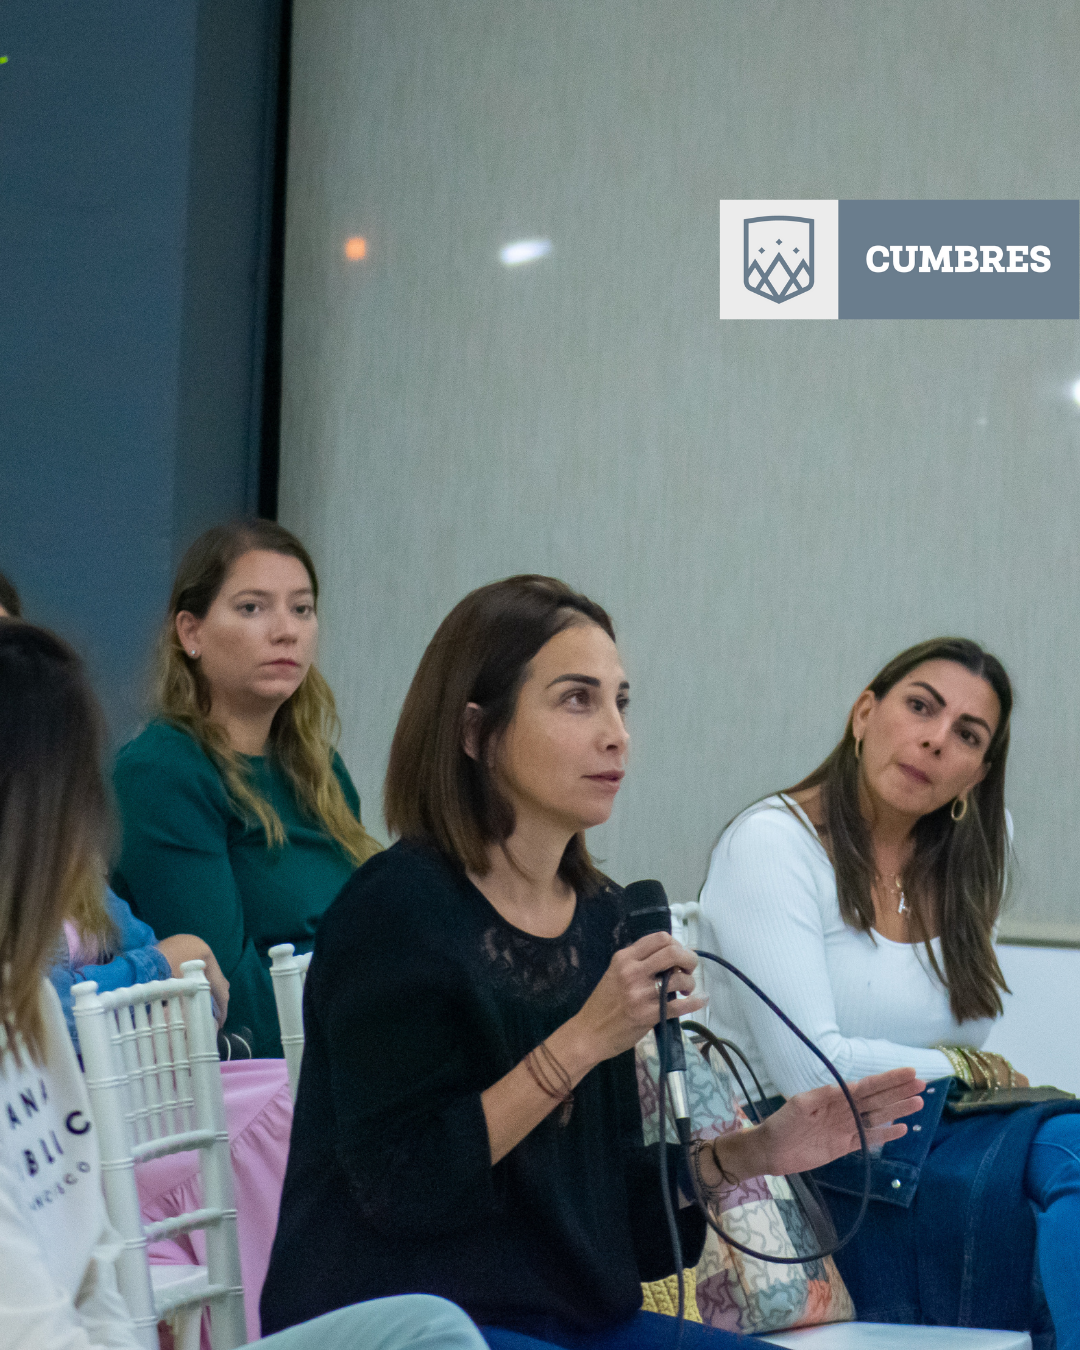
(824, 258)
(778, 256)
(969, 258)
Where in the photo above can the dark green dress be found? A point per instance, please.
(190, 863)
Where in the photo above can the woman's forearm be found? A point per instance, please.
(813, 1128)
(731, 1158)
(517, 1103)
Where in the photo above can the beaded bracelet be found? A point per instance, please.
(958, 1063)
(981, 1065)
(967, 1064)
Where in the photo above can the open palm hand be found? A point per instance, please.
(815, 1127)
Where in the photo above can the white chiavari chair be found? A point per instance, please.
(154, 1080)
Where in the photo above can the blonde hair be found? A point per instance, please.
(304, 730)
(86, 908)
(55, 822)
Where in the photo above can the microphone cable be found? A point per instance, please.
(665, 1104)
(664, 1047)
(864, 1147)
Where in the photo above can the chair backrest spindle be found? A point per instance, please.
(153, 1074)
(288, 973)
(109, 1101)
(215, 1162)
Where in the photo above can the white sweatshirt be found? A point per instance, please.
(769, 906)
(57, 1279)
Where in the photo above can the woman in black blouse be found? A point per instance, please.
(467, 1120)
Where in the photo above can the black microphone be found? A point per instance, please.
(647, 911)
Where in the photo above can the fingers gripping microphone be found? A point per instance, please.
(647, 911)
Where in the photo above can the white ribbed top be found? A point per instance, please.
(769, 906)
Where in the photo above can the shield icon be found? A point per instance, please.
(778, 256)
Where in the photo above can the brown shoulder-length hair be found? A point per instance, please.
(434, 791)
(305, 728)
(55, 822)
(958, 874)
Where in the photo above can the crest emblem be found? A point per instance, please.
(778, 256)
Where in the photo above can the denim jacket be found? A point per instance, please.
(894, 1172)
(949, 1236)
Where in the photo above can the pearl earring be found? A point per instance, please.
(193, 651)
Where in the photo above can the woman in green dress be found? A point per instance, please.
(240, 821)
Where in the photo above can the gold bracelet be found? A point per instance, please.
(989, 1069)
(986, 1067)
(958, 1063)
(973, 1070)
(978, 1068)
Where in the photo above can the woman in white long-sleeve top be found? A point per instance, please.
(863, 900)
(58, 1286)
(870, 1002)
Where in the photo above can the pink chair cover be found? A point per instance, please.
(258, 1109)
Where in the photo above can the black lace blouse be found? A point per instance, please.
(420, 996)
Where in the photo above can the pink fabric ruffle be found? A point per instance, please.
(258, 1109)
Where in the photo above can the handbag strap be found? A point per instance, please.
(722, 1047)
(803, 1185)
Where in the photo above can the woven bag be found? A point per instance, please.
(736, 1292)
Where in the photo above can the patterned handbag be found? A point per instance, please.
(737, 1292)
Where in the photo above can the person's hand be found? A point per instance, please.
(183, 947)
(813, 1128)
(624, 1005)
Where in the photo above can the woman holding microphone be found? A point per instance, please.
(487, 1146)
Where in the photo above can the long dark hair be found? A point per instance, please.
(434, 791)
(55, 822)
(958, 872)
(305, 727)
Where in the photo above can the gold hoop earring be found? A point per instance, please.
(960, 802)
(858, 747)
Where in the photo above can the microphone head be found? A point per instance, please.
(647, 909)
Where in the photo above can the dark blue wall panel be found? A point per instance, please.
(136, 154)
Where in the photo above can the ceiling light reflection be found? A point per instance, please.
(524, 251)
(1076, 392)
(356, 248)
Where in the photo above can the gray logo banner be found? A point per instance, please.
(959, 260)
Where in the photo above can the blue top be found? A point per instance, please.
(136, 959)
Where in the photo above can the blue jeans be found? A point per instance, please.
(643, 1331)
(406, 1322)
(1052, 1183)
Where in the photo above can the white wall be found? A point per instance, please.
(770, 511)
(1040, 1031)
